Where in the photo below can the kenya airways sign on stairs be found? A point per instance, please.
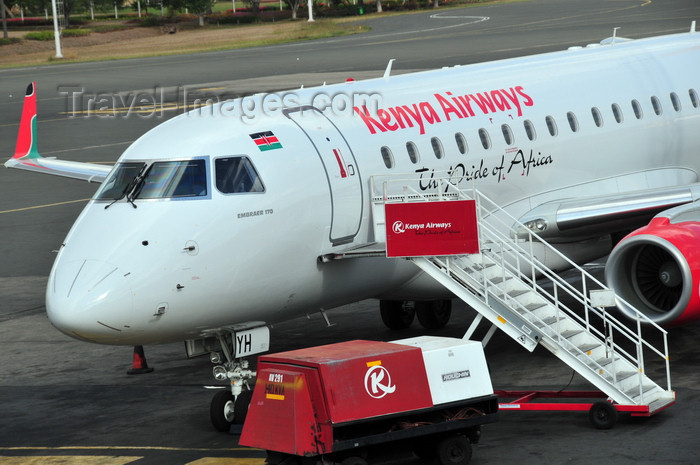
(431, 228)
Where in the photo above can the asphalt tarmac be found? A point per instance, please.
(64, 401)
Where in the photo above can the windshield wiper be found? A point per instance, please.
(130, 186)
(138, 185)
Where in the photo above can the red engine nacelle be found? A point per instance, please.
(656, 268)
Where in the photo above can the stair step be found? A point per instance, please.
(661, 403)
(547, 322)
(571, 333)
(605, 361)
(623, 375)
(550, 320)
(517, 292)
(535, 306)
(500, 279)
(480, 266)
(633, 393)
(585, 348)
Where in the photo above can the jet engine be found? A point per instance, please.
(656, 268)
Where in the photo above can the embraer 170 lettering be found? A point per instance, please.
(211, 226)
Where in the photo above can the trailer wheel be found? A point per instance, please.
(425, 448)
(434, 314)
(354, 460)
(221, 410)
(454, 450)
(274, 457)
(290, 460)
(279, 458)
(473, 434)
(395, 314)
(603, 415)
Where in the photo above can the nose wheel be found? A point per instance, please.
(227, 349)
(221, 410)
(227, 410)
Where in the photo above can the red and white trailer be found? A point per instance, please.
(602, 412)
(343, 402)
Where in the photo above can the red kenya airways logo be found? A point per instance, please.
(378, 380)
(445, 107)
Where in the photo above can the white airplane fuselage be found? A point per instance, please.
(175, 266)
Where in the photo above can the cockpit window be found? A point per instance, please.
(174, 179)
(119, 181)
(236, 175)
(160, 180)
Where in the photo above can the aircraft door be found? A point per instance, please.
(341, 170)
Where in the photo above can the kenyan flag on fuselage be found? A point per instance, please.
(266, 141)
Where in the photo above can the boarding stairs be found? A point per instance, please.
(508, 286)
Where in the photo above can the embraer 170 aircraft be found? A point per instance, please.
(228, 218)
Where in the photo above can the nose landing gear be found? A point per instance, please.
(227, 348)
(230, 406)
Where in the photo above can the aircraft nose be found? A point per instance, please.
(90, 300)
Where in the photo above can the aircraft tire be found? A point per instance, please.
(454, 450)
(221, 410)
(434, 314)
(395, 314)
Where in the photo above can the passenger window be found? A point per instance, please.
(551, 126)
(507, 134)
(461, 143)
(617, 113)
(530, 129)
(637, 108)
(694, 98)
(437, 147)
(412, 152)
(573, 122)
(485, 139)
(675, 101)
(387, 156)
(657, 105)
(236, 175)
(597, 117)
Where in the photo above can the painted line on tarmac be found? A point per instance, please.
(118, 460)
(67, 460)
(227, 461)
(471, 20)
(7, 125)
(87, 147)
(141, 110)
(121, 459)
(42, 206)
(135, 448)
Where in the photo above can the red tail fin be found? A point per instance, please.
(26, 138)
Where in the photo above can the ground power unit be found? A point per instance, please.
(353, 401)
